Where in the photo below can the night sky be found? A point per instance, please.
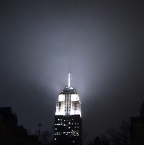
(100, 43)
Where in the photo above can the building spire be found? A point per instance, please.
(69, 80)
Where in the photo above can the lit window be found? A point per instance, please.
(57, 133)
(55, 129)
(54, 138)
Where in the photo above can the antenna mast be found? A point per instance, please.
(68, 80)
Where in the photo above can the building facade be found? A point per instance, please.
(137, 128)
(11, 133)
(68, 121)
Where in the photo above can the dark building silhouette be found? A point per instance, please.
(68, 121)
(137, 128)
(8, 125)
(99, 141)
(10, 133)
(7, 117)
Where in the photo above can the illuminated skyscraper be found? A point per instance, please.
(68, 121)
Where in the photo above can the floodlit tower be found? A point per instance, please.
(68, 121)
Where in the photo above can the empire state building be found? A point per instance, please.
(68, 121)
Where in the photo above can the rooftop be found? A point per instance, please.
(68, 90)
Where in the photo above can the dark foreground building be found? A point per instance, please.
(11, 133)
(68, 121)
(137, 128)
